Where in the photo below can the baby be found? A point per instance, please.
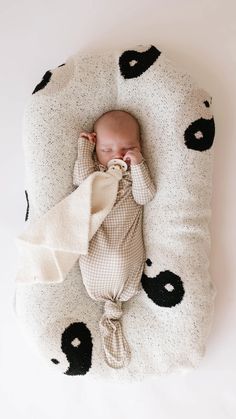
(113, 267)
(117, 137)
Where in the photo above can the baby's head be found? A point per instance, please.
(117, 132)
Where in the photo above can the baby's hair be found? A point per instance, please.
(118, 111)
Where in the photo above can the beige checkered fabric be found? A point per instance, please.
(113, 267)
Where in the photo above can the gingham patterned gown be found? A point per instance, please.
(113, 267)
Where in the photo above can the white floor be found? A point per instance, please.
(38, 35)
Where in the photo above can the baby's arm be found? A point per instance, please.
(143, 187)
(84, 165)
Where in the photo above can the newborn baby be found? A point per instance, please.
(113, 267)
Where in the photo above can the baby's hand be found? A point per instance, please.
(134, 156)
(91, 136)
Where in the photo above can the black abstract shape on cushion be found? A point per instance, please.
(46, 78)
(76, 343)
(148, 262)
(200, 134)
(27, 209)
(165, 289)
(144, 60)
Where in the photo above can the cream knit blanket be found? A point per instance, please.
(50, 246)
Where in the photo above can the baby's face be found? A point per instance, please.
(114, 144)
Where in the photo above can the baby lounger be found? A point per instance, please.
(167, 324)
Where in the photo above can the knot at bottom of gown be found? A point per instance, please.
(115, 345)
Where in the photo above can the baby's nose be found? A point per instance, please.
(119, 155)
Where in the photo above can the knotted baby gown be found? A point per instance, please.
(113, 267)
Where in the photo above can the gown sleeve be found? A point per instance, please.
(143, 187)
(84, 164)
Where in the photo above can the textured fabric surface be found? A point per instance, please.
(112, 268)
(49, 247)
(169, 321)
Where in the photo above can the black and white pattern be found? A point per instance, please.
(169, 321)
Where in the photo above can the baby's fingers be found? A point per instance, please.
(90, 136)
(84, 134)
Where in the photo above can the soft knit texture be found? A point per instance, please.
(169, 321)
(50, 246)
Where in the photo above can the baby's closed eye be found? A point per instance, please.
(129, 148)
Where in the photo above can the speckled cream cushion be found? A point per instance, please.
(168, 323)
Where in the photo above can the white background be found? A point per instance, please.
(38, 35)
